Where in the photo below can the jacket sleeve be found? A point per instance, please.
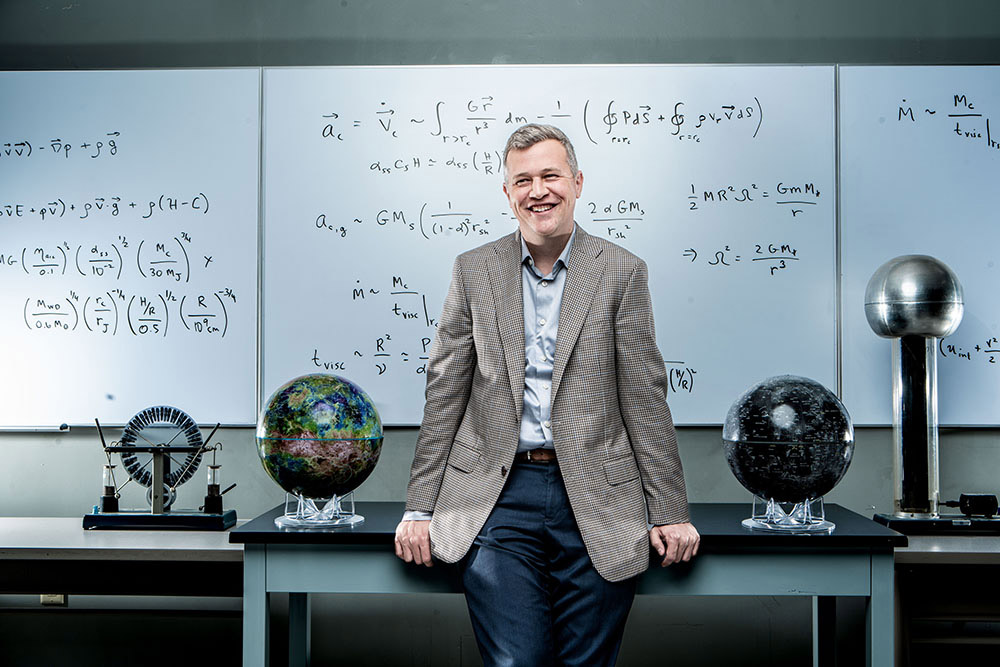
(642, 397)
(449, 382)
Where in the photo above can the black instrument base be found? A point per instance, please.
(165, 521)
(944, 524)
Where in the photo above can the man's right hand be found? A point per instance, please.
(413, 542)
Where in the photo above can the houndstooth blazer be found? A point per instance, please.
(611, 427)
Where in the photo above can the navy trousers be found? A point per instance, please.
(533, 594)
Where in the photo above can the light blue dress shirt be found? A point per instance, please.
(542, 297)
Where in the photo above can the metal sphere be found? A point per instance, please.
(788, 438)
(914, 295)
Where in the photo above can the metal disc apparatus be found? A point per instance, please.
(160, 449)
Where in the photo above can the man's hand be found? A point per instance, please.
(413, 542)
(675, 542)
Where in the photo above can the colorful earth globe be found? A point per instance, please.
(319, 436)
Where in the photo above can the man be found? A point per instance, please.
(546, 443)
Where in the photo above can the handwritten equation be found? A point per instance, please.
(615, 219)
(141, 315)
(680, 377)
(984, 352)
(448, 220)
(167, 258)
(485, 162)
(609, 121)
(384, 354)
(775, 257)
(959, 116)
(392, 351)
(796, 198)
(108, 206)
(106, 146)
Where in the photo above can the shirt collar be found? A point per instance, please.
(563, 256)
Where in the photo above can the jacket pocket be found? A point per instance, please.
(463, 457)
(621, 470)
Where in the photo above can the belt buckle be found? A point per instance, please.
(527, 455)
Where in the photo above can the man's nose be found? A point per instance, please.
(538, 188)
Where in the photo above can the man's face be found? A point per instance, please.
(542, 191)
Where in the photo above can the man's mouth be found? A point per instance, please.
(541, 208)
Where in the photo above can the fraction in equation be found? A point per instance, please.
(986, 351)
(775, 256)
(407, 304)
(680, 377)
(792, 196)
(381, 356)
(962, 119)
(142, 315)
(156, 259)
(617, 217)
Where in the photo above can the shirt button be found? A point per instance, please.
(545, 387)
(547, 424)
(541, 323)
(544, 283)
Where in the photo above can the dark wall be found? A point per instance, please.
(39, 34)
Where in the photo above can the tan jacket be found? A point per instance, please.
(612, 429)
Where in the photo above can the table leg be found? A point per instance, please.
(879, 612)
(824, 631)
(255, 606)
(299, 630)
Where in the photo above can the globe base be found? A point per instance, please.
(808, 516)
(314, 513)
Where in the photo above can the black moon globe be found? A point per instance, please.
(788, 439)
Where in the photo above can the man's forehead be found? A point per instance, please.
(545, 158)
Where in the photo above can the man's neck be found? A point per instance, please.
(544, 255)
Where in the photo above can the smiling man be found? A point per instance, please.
(547, 460)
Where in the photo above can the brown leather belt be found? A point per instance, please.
(536, 456)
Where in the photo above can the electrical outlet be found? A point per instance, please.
(53, 599)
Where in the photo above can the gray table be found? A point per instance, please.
(948, 596)
(855, 561)
(56, 555)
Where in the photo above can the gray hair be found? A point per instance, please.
(528, 135)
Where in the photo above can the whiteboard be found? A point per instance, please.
(128, 244)
(920, 164)
(722, 178)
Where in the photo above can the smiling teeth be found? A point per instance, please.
(542, 208)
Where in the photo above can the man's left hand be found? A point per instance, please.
(675, 542)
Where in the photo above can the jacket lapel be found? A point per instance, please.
(505, 278)
(582, 279)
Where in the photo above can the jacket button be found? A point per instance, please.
(503, 471)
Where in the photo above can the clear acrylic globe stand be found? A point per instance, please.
(808, 516)
(301, 512)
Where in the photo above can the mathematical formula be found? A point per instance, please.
(604, 120)
(106, 146)
(108, 206)
(166, 258)
(680, 377)
(984, 352)
(959, 117)
(141, 315)
(793, 197)
(773, 257)
(387, 353)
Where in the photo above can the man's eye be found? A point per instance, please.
(521, 181)
(551, 177)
